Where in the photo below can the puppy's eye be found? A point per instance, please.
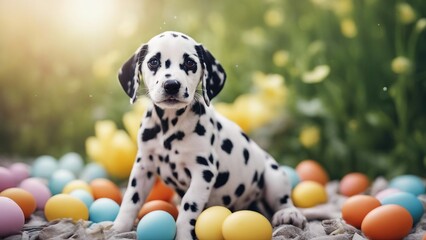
(153, 63)
(189, 63)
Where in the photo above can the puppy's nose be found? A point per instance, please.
(171, 86)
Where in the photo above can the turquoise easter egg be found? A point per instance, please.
(44, 166)
(408, 201)
(73, 162)
(408, 183)
(156, 225)
(292, 175)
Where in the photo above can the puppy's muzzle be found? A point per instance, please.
(171, 87)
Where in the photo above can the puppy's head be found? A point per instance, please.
(171, 66)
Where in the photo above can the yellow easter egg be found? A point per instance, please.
(308, 194)
(65, 206)
(246, 225)
(209, 223)
(77, 184)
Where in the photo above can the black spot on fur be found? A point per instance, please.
(165, 125)
(211, 159)
(134, 182)
(193, 207)
(151, 158)
(184, 37)
(219, 126)
(160, 158)
(148, 113)
(174, 121)
(192, 222)
(240, 190)
(198, 108)
(222, 179)
(284, 199)
(174, 35)
(245, 136)
(167, 75)
(246, 155)
(170, 181)
(227, 146)
(255, 177)
(176, 136)
(187, 172)
(135, 198)
(202, 161)
(212, 139)
(226, 200)
(138, 159)
(158, 171)
(207, 175)
(199, 129)
(149, 174)
(150, 133)
(274, 166)
(173, 166)
(188, 64)
(159, 111)
(167, 63)
(180, 192)
(180, 111)
(193, 234)
(261, 181)
(167, 159)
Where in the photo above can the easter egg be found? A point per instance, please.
(73, 162)
(23, 198)
(353, 183)
(160, 191)
(7, 180)
(44, 166)
(158, 205)
(244, 225)
(104, 188)
(387, 222)
(308, 194)
(310, 170)
(156, 225)
(59, 180)
(209, 223)
(38, 189)
(77, 184)
(355, 208)
(65, 206)
(292, 175)
(386, 192)
(408, 183)
(20, 171)
(408, 201)
(93, 171)
(84, 196)
(103, 209)
(11, 218)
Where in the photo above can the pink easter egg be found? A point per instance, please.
(20, 171)
(11, 218)
(387, 192)
(38, 189)
(7, 180)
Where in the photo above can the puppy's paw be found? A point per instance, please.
(290, 215)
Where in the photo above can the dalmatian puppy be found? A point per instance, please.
(205, 157)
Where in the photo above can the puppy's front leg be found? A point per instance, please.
(194, 201)
(141, 180)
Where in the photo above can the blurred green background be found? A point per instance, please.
(355, 73)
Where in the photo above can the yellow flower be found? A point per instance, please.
(401, 65)
(405, 13)
(132, 119)
(273, 18)
(342, 8)
(281, 58)
(271, 88)
(318, 74)
(348, 28)
(309, 136)
(254, 37)
(421, 25)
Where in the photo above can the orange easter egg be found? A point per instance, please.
(160, 191)
(310, 170)
(158, 205)
(23, 198)
(104, 188)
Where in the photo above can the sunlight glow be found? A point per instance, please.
(88, 16)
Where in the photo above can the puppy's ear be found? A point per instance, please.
(129, 74)
(213, 77)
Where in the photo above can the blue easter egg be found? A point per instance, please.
(407, 201)
(408, 183)
(84, 196)
(59, 179)
(93, 171)
(44, 166)
(72, 161)
(292, 175)
(156, 225)
(103, 209)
